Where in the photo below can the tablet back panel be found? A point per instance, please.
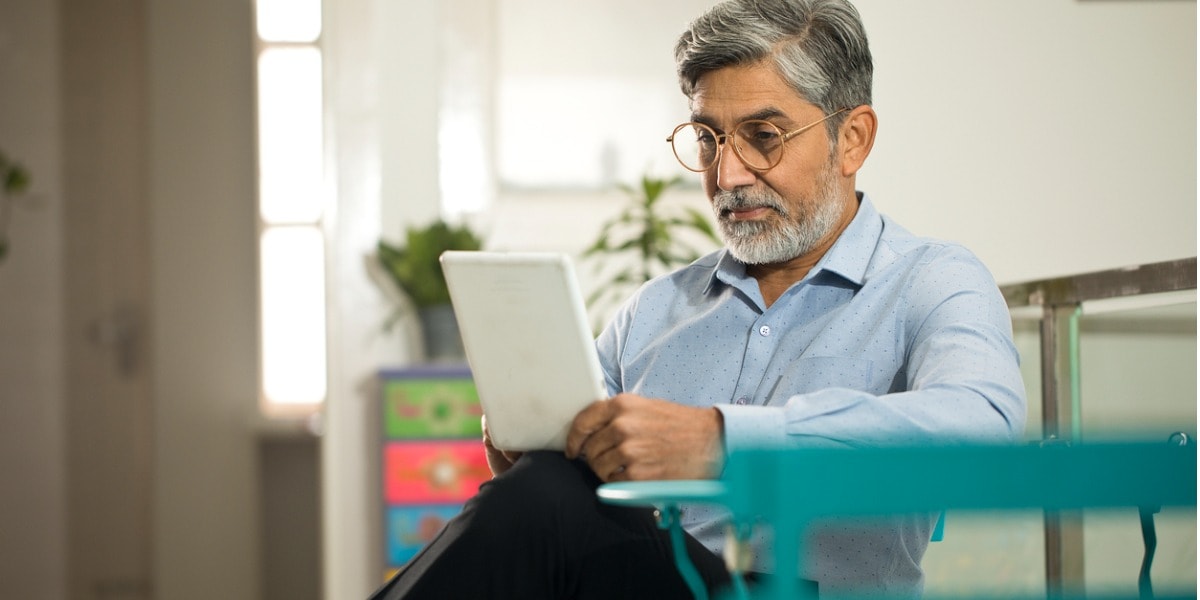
(525, 331)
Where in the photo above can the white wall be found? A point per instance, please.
(1050, 136)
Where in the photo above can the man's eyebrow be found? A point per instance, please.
(764, 114)
(699, 118)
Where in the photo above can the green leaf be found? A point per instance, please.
(416, 268)
(17, 180)
(644, 237)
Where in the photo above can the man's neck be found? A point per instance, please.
(775, 279)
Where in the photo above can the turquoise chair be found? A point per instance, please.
(776, 487)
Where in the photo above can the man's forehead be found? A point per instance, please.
(742, 92)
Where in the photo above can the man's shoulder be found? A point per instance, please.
(899, 247)
(699, 271)
(925, 271)
(689, 280)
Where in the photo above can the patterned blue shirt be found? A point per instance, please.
(890, 338)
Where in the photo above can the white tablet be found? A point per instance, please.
(526, 335)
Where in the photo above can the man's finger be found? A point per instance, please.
(587, 422)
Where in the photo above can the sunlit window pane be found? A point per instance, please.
(289, 122)
(463, 163)
(293, 315)
(289, 20)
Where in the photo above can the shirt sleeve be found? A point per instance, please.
(610, 345)
(962, 380)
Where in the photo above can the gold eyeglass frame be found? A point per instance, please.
(722, 137)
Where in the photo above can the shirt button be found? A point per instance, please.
(741, 401)
(764, 331)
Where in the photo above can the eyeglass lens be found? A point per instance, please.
(759, 143)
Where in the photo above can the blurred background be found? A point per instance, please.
(191, 340)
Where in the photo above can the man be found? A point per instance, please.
(822, 322)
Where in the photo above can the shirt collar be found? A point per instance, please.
(851, 253)
(848, 258)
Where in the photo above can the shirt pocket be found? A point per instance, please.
(814, 373)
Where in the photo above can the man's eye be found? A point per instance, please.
(760, 135)
(765, 136)
(705, 137)
(759, 132)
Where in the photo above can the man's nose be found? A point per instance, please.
(732, 173)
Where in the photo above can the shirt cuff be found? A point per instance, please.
(753, 426)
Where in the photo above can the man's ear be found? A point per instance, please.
(858, 136)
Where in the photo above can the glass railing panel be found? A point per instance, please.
(1137, 378)
(1123, 366)
(991, 554)
(1137, 370)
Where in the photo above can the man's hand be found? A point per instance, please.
(629, 437)
(498, 460)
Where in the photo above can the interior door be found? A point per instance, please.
(109, 411)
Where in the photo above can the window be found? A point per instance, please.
(291, 206)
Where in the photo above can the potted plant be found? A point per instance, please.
(647, 238)
(415, 270)
(14, 181)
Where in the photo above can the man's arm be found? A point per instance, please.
(961, 382)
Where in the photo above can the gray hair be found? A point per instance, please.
(818, 46)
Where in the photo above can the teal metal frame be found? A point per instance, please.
(780, 487)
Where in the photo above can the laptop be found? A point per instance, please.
(525, 331)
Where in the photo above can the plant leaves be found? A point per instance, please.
(644, 237)
(416, 268)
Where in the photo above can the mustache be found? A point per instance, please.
(725, 202)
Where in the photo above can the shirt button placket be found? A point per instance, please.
(758, 355)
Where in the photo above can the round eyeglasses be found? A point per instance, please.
(759, 144)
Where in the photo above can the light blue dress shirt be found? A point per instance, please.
(890, 338)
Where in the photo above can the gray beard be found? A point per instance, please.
(769, 242)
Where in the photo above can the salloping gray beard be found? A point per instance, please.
(768, 242)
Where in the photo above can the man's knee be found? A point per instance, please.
(540, 485)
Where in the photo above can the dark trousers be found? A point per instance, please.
(538, 531)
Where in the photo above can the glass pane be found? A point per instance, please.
(1113, 551)
(462, 163)
(289, 20)
(993, 554)
(293, 316)
(1137, 371)
(290, 138)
